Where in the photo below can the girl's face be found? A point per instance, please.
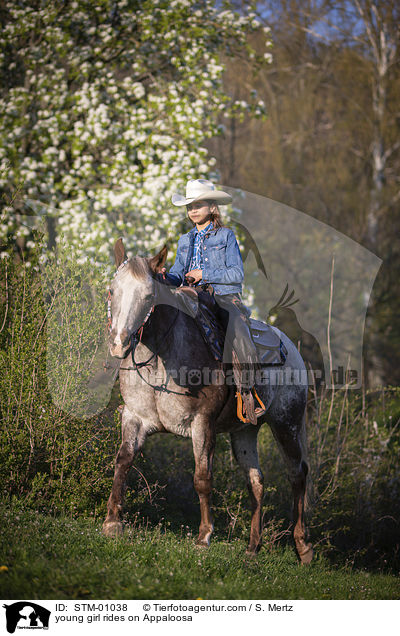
(199, 212)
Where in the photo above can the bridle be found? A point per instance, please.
(109, 315)
(136, 336)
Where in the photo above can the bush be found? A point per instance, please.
(49, 458)
(354, 452)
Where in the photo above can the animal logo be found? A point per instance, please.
(26, 615)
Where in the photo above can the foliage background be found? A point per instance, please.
(105, 108)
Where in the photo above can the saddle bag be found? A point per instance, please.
(270, 348)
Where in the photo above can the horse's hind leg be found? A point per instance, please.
(303, 548)
(244, 445)
(291, 442)
(203, 439)
(133, 437)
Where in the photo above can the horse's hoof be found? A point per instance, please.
(253, 551)
(307, 556)
(202, 544)
(113, 529)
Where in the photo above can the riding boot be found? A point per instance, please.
(248, 406)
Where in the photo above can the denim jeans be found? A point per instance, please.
(233, 315)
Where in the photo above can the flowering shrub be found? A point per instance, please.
(104, 110)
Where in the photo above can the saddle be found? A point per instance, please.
(270, 348)
(201, 304)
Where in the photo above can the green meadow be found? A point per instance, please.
(44, 557)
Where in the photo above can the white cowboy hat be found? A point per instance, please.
(201, 190)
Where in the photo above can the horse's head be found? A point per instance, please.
(132, 295)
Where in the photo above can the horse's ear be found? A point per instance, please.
(119, 252)
(156, 263)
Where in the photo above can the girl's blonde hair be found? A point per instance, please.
(215, 215)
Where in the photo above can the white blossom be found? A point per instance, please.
(107, 139)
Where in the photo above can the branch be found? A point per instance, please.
(6, 312)
(391, 150)
(368, 28)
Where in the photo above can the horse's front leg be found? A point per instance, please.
(133, 437)
(203, 438)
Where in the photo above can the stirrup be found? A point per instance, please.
(239, 408)
(258, 411)
(262, 408)
(259, 400)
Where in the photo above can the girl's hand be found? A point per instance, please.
(197, 274)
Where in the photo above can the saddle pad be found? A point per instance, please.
(270, 348)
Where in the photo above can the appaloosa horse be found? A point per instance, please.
(171, 384)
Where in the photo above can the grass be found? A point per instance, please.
(43, 557)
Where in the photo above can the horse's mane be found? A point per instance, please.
(139, 267)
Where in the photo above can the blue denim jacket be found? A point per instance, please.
(223, 265)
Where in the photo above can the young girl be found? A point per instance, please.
(209, 255)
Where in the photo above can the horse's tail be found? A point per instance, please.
(309, 498)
